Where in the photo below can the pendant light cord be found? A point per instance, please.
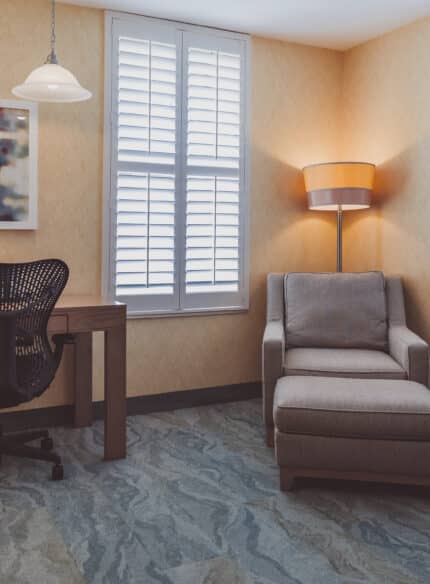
(52, 57)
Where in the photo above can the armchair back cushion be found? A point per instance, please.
(332, 310)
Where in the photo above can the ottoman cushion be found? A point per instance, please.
(352, 408)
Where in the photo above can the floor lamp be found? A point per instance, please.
(339, 186)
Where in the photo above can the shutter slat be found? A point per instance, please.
(132, 290)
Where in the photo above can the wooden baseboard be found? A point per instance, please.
(145, 404)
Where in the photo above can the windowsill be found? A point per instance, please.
(190, 312)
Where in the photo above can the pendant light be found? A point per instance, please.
(51, 82)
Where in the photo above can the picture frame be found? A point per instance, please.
(18, 165)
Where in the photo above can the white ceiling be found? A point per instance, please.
(336, 24)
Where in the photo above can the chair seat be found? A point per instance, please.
(352, 408)
(359, 363)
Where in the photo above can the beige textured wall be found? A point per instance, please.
(386, 119)
(70, 149)
(295, 99)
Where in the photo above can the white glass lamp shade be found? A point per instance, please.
(52, 83)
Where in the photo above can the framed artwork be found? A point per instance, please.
(18, 165)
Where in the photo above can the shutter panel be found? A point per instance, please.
(146, 101)
(213, 137)
(213, 262)
(212, 247)
(145, 234)
(146, 113)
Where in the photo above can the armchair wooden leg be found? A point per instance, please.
(270, 437)
(286, 479)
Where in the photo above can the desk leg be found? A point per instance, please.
(115, 393)
(83, 379)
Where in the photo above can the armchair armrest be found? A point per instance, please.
(273, 361)
(410, 351)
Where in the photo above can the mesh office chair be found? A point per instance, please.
(28, 363)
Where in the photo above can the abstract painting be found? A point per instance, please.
(18, 165)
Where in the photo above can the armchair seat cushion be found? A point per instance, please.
(352, 408)
(359, 363)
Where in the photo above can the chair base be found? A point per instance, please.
(288, 476)
(16, 445)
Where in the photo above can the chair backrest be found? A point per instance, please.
(336, 310)
(28, 293)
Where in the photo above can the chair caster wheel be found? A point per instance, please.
(57, 472)
(47, 444)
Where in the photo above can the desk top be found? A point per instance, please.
(76, 314)
(78, 302)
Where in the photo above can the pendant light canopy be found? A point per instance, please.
(51, 82)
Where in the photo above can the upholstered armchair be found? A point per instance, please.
(337, 325)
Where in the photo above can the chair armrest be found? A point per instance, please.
(273, 361)
(410, 351)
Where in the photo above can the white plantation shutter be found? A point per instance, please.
(213, 111)
(177, 206)
(143, 166)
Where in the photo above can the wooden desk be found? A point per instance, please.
(81, 316)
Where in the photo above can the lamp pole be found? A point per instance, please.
(339, 238)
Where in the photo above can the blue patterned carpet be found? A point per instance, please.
(197, 501)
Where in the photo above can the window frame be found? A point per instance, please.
(179, 303)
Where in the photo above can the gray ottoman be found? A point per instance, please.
(361, 429)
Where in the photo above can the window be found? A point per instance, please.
(175, 167)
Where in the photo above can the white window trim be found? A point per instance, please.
(109, 197)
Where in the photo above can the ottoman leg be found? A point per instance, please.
(287, 479)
